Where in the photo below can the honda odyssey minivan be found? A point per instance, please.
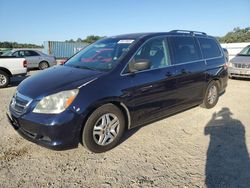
(147, 77)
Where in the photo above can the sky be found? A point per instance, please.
(35, 21)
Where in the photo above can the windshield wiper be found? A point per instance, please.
(85, 67)
(243, 55)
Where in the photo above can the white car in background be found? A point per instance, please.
(239, 66)
(10, 67)
(34, 58)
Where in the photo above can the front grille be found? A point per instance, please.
(19, 103)
(242, 65)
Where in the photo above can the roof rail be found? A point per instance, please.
(187, 31)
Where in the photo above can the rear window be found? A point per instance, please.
(209, 48)
(184, 49)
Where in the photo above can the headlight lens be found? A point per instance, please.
(56, 103)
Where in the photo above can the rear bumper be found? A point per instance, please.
(22, 72)
(241, 73)
(53, 132)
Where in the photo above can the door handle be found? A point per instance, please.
(184, 71)
(143, 89)
(169, 74)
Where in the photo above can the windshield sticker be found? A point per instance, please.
(128, 41)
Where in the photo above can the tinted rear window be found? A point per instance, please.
(209, 48)
(184, 49)
(33, 53)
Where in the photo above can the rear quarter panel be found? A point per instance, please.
(216, 70)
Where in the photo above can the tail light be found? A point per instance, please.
(25, 63)
(225, 66)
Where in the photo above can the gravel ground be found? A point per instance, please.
(195, 148)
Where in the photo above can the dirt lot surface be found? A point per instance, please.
(195, 148)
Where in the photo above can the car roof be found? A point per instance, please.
(24, 49)
(153, 34)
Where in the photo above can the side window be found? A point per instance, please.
(32, 53)
(21, 54)
(26, 53)
(209, 48)
(184, 49)
(155, 51)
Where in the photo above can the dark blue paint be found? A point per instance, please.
(148, 95)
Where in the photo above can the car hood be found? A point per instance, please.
(56, 79)
(241, 59)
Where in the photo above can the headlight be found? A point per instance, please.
(56, 103)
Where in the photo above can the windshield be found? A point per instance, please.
(245, 51)
(8, 53)
(102, 55)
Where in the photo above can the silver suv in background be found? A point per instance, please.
(34, 58)
(239, 66)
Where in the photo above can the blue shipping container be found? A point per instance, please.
(62, 49)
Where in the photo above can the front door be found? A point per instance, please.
(153, 89)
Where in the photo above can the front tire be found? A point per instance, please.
(43, 65)
(4, 79)
(212, 95)
(103, 129)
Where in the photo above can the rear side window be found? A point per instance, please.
(31, 53)
(209, 48)
(184, 49)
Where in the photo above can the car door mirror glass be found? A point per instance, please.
(139, 65)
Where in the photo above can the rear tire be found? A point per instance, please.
(103, 129)
(43, 65)
(212, 95)
(4, 79)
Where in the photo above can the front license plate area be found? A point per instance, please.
(12, 121)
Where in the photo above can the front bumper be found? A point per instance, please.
(238, 72)
(58, 132)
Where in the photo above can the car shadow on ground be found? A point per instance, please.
(228, 163)
(16, 80)
(128, 133)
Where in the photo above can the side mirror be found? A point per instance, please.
(139, 65)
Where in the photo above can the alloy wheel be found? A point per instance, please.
(3, 80)
(106, 129)
(212, 94)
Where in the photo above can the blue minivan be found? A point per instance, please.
(118, 83)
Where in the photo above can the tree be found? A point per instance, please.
(6, 44)
(237, 35)
(71, 40)
(91, 38)
(79, 40)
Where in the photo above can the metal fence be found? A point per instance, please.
(62, 49)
